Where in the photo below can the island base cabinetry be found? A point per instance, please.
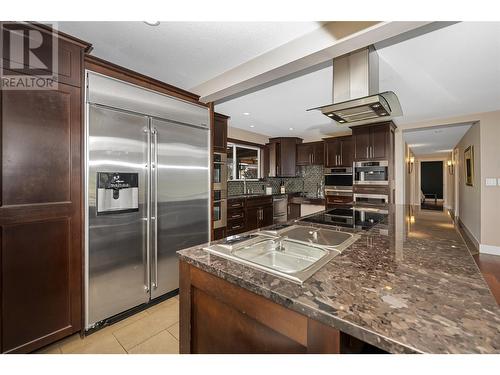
(219, 317)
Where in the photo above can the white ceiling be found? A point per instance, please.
(184, 54)
(435, 140)
(448, 72)
(276, 109)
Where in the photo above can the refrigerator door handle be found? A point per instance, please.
(155, 138)
(148, 218)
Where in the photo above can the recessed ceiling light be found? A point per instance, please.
(290, 128)
(152, 23)
(252, 126)
(246, 113)
(330, 114)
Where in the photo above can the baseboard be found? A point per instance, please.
(489, 249)
(469, 239)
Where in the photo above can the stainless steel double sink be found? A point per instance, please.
(294, 253)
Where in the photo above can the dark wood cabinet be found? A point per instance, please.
(338, 200)
(373, 142)
(244, 214)
(219, 233)
(319, 153)
(362, 143)
(220, 133)
(41, 209)
(304, 153)
(311, 153)
(259, 212)
(380, 142)
(220, 317)
(282, 156)
(339, 152)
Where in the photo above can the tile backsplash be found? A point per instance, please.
(308, 180)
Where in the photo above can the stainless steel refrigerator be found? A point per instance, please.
(147, 193)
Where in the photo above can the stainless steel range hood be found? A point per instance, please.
(356, 100)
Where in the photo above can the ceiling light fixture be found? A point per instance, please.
(246, 113)
(152, 23)
(252, 126)
(290, 128)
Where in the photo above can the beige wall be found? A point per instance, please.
(490, 167)
(470, 196)
(489, 155)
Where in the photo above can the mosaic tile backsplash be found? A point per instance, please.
(309, 179)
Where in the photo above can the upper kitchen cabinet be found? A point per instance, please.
(311, 153)
(69, 54)
(339, 152)
(41, 209)
(220, 132)
(373, 142)
(282, 156)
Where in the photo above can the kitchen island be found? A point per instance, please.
(405, 286)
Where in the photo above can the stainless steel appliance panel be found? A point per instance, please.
(280, 209)
(220, 171)
(371, 173)
(371, 199)
(338, 179)
(117, 259)
(180, 201)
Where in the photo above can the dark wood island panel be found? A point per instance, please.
(219, 317)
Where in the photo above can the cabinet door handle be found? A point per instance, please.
(367, 152)
(288, 210)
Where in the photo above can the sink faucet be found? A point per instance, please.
(280, 247)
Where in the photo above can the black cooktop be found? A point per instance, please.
(352, 217)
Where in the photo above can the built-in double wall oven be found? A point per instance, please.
(219, 190)
(338, 178)
(338, 185)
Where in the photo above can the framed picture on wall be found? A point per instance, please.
(469, 165)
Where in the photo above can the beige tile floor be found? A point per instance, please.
(152, 331)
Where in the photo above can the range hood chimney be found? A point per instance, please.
(356, 98)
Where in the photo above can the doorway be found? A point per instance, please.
(431, 185)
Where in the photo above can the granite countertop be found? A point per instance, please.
(405, 288)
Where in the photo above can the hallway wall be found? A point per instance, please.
(470, 196)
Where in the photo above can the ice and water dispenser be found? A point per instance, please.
(117, 192)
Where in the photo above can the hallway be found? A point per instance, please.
(440, 224)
